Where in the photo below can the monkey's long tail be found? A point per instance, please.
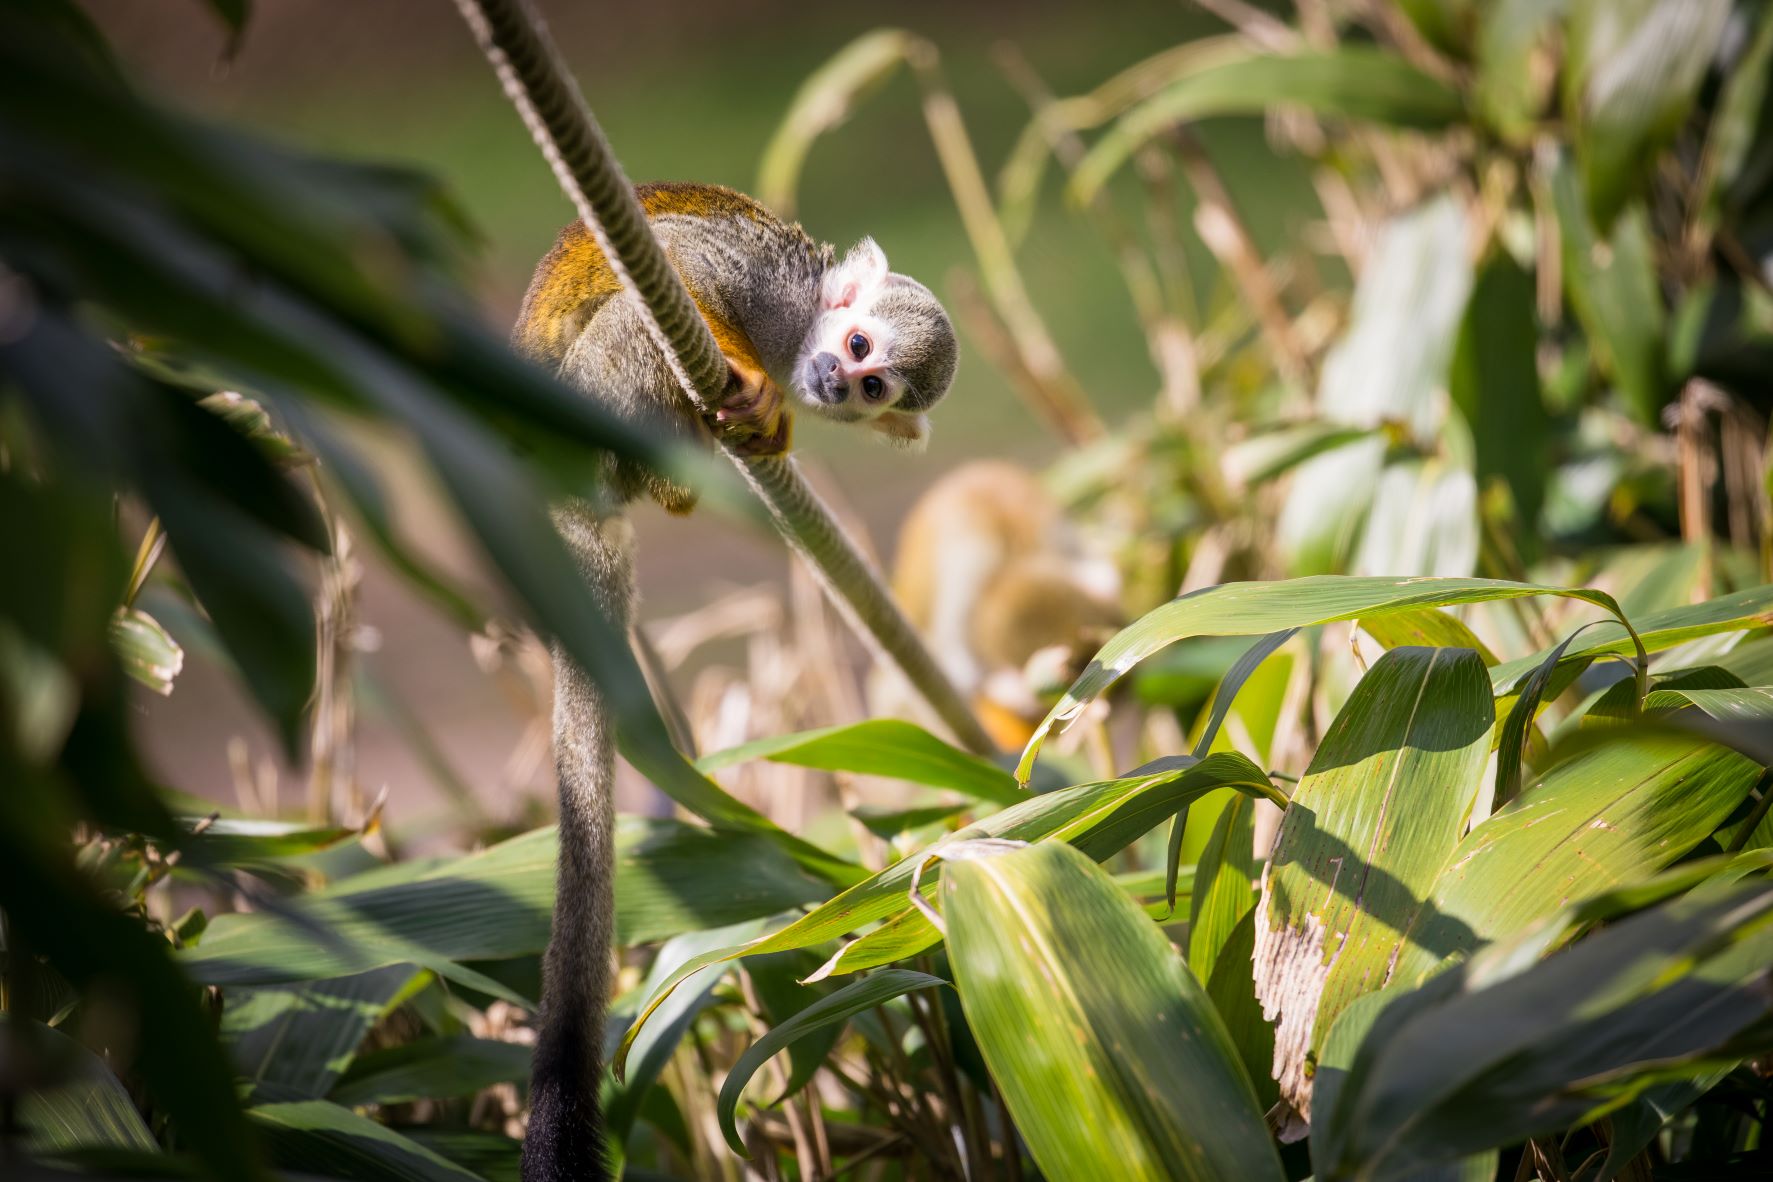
(565, 1138)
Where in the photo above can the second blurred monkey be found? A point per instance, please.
(996, 580)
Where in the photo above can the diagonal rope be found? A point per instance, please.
(535, 79)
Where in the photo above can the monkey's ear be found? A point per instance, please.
(864, 267)
(903, 429)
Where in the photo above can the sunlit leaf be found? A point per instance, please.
(1377, 813)
(885, 747)
(1504, 1046)
(1610, 815)
(1254, 609)
(1130, 1066)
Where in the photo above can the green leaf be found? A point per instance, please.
(1099, 835)
(145, 649)
(1657, 631)
(1612, 285)
(1232, 989)
(673, 878)
(1355, 83)
(1101, 818)
(1505, 1046)
(228, 841)
(318, 1137)
(1224, 889)
(1254, 609)
(889, 823)
(1494, 382)
(496, 904)
(430, 1069)
(1632, 70)
(1223, 698)
(884, 747)
(1116, 1056)
(78, 1103)
(1511, 744)
(1388, 374)
(1635, 800)
(294, 1040)
(1379, 809)
(1429, 628)
(626, 1097)
(834, 1009)
(1748, 704)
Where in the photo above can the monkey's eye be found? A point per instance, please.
(858, 346)
(872, 386)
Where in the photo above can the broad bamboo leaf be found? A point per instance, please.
(1379, 810)
(889, 823)
(1232, 988)
(1224, 889)
(1223, 698)
(1355, 83)
(430, 1069)
(626, 1098)
(1749, 608)
(886, 747)
(1630, 804)
(1430, 628)
(1745, 704)
(496, 904)
(82, 1106)
(1511, 743)
(1253, 609)
(1116, 1056)
(1506, 1046)
(1632, 70)
(834, 1009)
(910, 932)
(1101, 818)
(318, 1137)
(293, 1041)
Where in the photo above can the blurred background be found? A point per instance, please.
(686, 91)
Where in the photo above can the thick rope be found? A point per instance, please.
(534, 78)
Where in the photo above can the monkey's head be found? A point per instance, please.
(881, 350)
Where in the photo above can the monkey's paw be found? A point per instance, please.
(752, 418)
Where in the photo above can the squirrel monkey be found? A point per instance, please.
(988, 571)
(854, 342)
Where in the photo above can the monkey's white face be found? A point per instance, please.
(845, 371)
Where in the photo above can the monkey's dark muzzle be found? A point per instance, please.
(822, 379)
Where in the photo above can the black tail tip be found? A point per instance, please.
(565, 1138)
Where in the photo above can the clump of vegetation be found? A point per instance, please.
(1446, 850)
